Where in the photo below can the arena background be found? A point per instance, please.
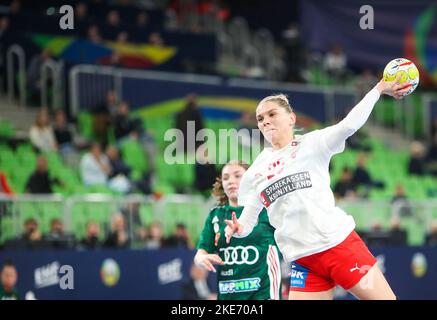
(226, 55)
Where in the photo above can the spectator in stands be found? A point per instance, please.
(345, 187)
(205, 171)
(196, 287)
(155, 39)
(294, 50)
(431, 236)
(81, 18)
(125, 126)
(335, 63)
(118, 238)
(155, 237)
(180, 238)
(102, 117)
(34, 75)
(431, 156)
(40, 182)
(4, 26)
(41, 133)
(401, 207)
(398, 235)
(30, 239)
(57, 238)
(117, 165)
(113, 19)
(142, 20)
(95, 167)
(94, 35)
(63, 133)
(91, 240)
(15, 7)
(189, 113)
(122, 37)
(134, 222)
(8, 280)
(416, 165)
(376, 236)
(362, 177)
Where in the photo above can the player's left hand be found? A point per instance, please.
(233, 226)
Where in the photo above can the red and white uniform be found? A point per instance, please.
(293, 183)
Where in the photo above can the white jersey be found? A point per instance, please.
(293, 183)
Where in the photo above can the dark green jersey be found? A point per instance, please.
(252, 268)
(13, 295)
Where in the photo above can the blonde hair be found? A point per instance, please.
(217, 191)
(280, 99)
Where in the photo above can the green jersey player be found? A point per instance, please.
(247, 268)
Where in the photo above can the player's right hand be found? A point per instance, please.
(232, 227)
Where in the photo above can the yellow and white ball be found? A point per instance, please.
(406, 69)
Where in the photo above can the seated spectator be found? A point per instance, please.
(192, 114)
(362, 178)
(155, 237)
(416, 165)
(94, 35)
(335, 63)
(401, 207)
(180, 238)
(57, 238)
(95, 167)
(102, 116)
(398, 235)
(134, 223)
(345, 187)
(91, 240)
(431, 236)
(34, 75)
(8, 280)
(142, 21)
(205, 172)
(155, 39)
(117, 165)
(40, 182)
(41, 133)
(118, 238)
(30, 238)
(63, 132)
(197, 287)
(376, 236)
(431, 157)
(126, 127)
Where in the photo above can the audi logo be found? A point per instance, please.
(240, 255)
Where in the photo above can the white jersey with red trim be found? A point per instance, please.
(293, 183)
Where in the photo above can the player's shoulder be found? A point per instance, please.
(216, 210)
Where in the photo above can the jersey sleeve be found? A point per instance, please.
(207, 236)
(332, 139)
(250, 200)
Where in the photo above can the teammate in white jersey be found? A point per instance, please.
(291, 179)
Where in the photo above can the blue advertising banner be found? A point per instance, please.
(158, 274)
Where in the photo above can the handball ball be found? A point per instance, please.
(406, 69)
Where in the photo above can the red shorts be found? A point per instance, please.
(344, 265)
